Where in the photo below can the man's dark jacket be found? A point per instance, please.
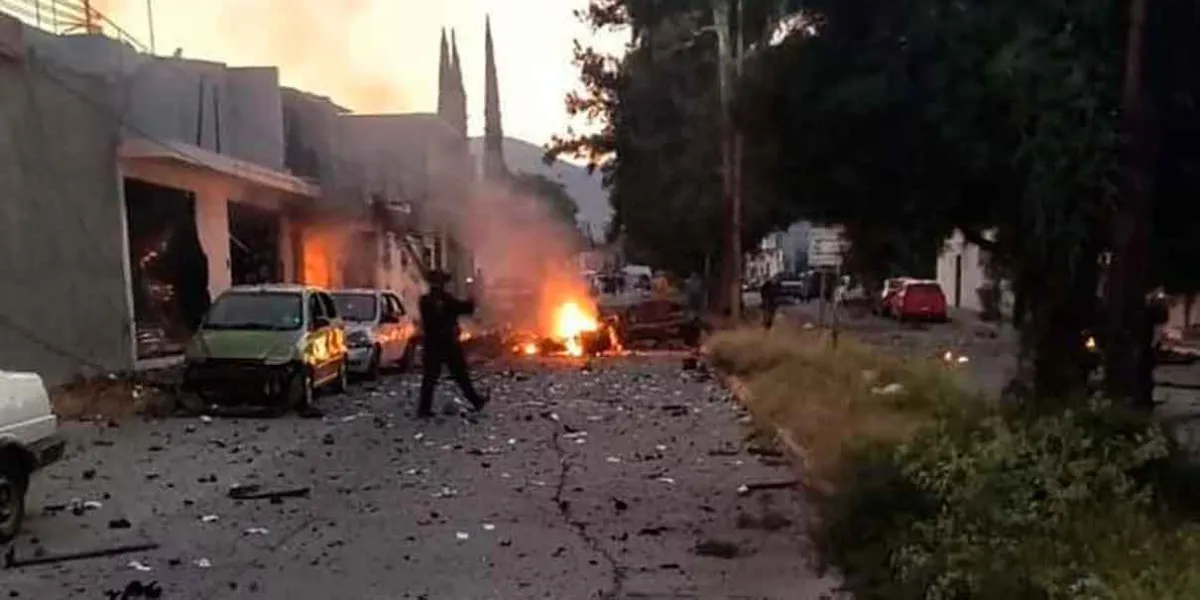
(440, 312)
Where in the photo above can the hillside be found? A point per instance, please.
(586, 189)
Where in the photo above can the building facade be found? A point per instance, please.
(143, 186)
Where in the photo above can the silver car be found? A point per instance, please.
(379, 330)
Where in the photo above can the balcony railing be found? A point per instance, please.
(65, 17)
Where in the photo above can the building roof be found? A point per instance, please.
(195, 156)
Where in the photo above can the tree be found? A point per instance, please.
(927, 116)
(553, 194)
(660, 147)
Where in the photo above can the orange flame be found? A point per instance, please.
(571, 321)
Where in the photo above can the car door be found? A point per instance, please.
(316, 346)
(405, 327)
(389, 330)
(335, 334)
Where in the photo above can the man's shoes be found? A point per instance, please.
(480, 402)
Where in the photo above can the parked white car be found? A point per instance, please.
(380, 332)
(28, 441)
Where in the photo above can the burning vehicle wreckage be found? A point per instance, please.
(581, 326)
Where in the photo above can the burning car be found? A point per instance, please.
(657, 318)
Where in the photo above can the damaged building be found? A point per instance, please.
(138, 187)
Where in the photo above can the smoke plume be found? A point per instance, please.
(351, 50)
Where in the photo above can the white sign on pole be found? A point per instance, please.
(825, 247)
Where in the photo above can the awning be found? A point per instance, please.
(195, 156)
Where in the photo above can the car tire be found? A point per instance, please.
(341, 383)
(299, 393)
(410, 356)
(14, 480)
(375, 366)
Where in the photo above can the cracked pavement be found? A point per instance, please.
(616, 480)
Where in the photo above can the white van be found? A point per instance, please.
(28, 441)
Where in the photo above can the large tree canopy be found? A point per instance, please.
(905, 120)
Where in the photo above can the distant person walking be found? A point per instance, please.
(770, 302)
(440, 312)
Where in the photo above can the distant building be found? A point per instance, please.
(962, 272)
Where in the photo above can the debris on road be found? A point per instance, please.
(138, 566)
(746, 488)
(717, 549)
(891, 389)
(11, 561)
(255, 492)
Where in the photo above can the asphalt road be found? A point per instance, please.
(618, 481)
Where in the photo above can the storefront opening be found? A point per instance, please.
(168, 267)
(254, 255)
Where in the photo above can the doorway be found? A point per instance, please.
(254, 256)
(168, 267)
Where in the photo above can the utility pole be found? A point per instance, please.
(728, 67)
(1126, 349)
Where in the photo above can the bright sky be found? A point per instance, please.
(382, 55)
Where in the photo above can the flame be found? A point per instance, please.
(571, 321)
(529, 349)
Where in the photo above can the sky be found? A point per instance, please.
(382, 55)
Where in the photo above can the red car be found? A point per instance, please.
(919, 301)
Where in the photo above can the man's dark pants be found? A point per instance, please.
(768, 314)
(449, 355)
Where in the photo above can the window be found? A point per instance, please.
(396, 305)
(266, 311)
(360, 308)
(315, 309)
(327, 305)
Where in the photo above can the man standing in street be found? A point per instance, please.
(440, 312)
(770, 301)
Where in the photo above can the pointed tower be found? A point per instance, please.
(459, 109)
(493, 133)
(445, 98)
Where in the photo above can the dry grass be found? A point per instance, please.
(832, 400)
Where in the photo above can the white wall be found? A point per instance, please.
(971, 278)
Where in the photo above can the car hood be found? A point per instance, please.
(356, 327)
(246, 345)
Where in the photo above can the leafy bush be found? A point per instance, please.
(955, 498)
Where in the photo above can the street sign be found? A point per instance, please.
(826, 247)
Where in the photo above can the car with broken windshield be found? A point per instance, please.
(379, 330)
(268, 345)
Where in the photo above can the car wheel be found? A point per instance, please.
(12, 501)
(410, 355)
(373, 366)
(299, 390)
(341, 384)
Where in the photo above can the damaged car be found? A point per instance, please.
(379, 331)
(29, 440)
(270, 346)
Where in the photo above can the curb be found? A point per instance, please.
(794, 451)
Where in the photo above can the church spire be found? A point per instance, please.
(445, 83)
(459, 107)
(493, 134)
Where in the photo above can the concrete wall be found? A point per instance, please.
(65, 309)
(234, 111)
